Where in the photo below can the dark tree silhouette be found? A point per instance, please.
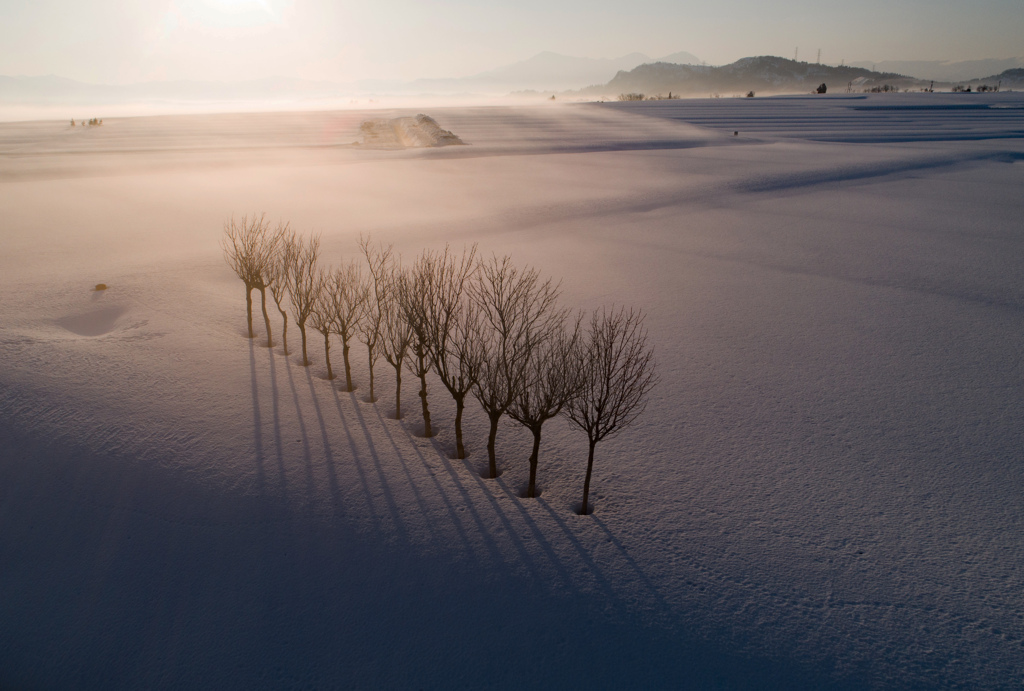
(250, 250)
(451, 325)
(554, 380)
(411, 297)
(321, 317)
(371, 327)
(347, 296)
(279, 275)
(396, 334)
(518, 314)
(617, 372)
(304, 282)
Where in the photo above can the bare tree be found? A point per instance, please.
(396, 333)
(518, 313)
(553, 380)
(371, 327)
(411, 293)
(249, 249)
(321, 317)
(617, 370)
(451, 323)
(347, 295)
(304, 282)
(286, 245)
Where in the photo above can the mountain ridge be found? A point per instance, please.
(769, 74)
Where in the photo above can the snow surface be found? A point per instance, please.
(826, 490)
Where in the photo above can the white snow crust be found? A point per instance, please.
(826, 489)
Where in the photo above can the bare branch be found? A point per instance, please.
(303, 281)
(617, 371)
(372, 326)
(518, 313)
(450, 324)
(410, 293)
(553, 380)
(250, 249)
(346, 296)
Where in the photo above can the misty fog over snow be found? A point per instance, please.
(825, 491)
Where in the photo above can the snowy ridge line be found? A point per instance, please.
(711, 193)
(896, 118)
(873, 170)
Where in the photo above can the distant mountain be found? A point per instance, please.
(1007, 79)
(944, 71)
(765, 74)
(544, 72)
(681, 58)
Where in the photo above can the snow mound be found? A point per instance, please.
(420, 131)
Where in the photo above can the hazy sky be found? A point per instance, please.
(123, 41)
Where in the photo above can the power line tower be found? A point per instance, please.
(819, 56)
(796, 52)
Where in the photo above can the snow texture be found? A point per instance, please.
(826, 490)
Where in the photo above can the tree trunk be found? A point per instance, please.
(427, 432)
(531, 491)
(248, 308)
(284, 334)
(302, 329)
(266, 317)
(421, 358)
(369, 350)
(586, 483)
(327, 354)
(398, 391)
(348, 370)
(492, 460)
(460, 404)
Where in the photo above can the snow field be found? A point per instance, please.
(825, 489)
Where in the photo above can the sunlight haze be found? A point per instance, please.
(111, 42)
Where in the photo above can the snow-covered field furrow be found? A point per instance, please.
(825, 491)
(881, 118)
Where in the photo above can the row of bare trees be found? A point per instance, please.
(487, 329)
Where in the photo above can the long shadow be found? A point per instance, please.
(364, 480)
(282, 474)
(543, 542)
(378, 466)
(424, 509)
(644, 578)
(332, 477)
(595, 569)
(306, 453)
(257, 422)
(487, 492)
(488, 541)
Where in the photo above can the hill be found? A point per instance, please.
(1007, 79)
(758, 74)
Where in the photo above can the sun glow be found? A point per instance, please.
(240, 5)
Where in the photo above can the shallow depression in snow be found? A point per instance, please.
(97, 322)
